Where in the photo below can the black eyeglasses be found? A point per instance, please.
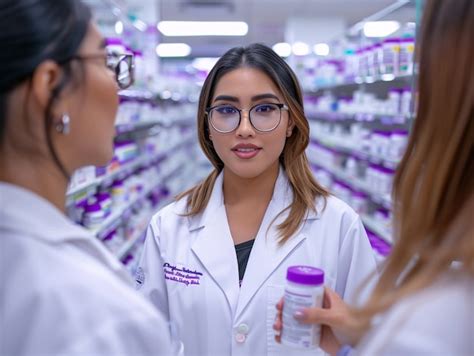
(263, 117)
(123, 66)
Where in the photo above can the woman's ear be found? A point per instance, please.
(45, 79)
(291, 126)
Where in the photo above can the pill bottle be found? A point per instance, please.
(93, 215)
(304, 289)
(391, 49)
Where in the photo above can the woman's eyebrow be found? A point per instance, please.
(227, 98)
(265, 96)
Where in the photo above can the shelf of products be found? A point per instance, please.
(377, 228)
(342, 146)
(357, 81)
(118, 212)
(360, 103)
(136, 126)
(357, 185)
(358, 117)
(86, 180)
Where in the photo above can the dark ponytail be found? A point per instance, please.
(32, 31)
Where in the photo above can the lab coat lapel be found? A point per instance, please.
(214, 246)
(266, 254)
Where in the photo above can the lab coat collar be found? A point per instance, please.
(282, 192)
(214, 245)
(31, 215)
(267, 254)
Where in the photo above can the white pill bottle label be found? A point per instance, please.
(298, 297)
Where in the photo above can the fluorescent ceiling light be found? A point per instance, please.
(300, 49)
(283, 49)
(173, 50)
(321, 49)
(204, 63)
(119, 27)
(380, 28)
(203, 28)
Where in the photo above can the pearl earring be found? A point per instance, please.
(64, 126)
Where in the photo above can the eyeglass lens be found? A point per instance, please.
(123, 69)
(263, 117)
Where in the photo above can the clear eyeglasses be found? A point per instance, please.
(123, 66)
(263, 117)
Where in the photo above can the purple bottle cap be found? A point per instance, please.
(305, 275)
(102, 196)
(359, 194)
(113, 41)
(92, 208)
(117, 183)
(81, 203)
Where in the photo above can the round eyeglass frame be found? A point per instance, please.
(120, 58)
(279, 105)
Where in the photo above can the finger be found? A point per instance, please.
(279, 305)
(315, 316)
(277, 326)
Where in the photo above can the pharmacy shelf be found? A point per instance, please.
(136, 126)
(371, 224)
(83, 186)
(81, 189)
(357, 184)
(362, 80)
(342, 146)
(123, 129)
(118, 212)
(332, 116)
(130, 166)
(127, 246)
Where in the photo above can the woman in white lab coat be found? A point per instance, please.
(215, 261)
(62, 292)
(424, 301)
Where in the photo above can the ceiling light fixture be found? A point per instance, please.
(283, 49)
(173, 50)
(300, 49)
(321, 49)
(380, 28)
(203, 28)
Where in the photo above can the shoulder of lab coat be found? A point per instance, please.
(437, 320)
(356, 262)
(63, 292)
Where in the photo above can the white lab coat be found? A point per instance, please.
(62, 292)
(209, 312)
(438, 320)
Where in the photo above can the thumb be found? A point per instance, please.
(331, 298)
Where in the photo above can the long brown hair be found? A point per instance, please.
(293, 159)
(434, 185)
